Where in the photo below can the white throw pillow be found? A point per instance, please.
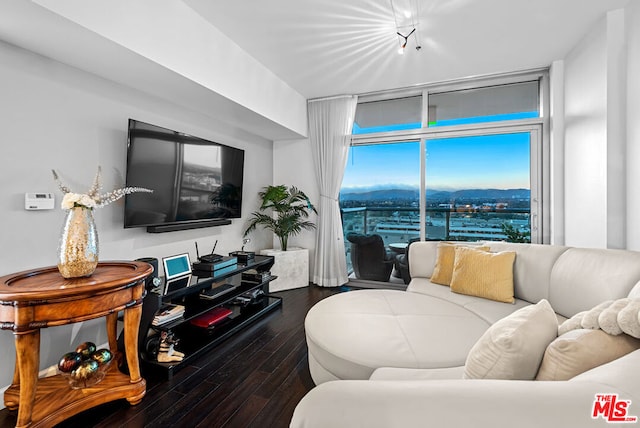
(513, 347)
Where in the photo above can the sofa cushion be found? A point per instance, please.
(532, 268)
(443, 268)
(482, 274)
(585, 277)
(580, 350)
(349, 335)
(635, 292)
(489, 310)
(422, 259)
(513, 347)
(621, 374)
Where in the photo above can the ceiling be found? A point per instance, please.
(319, 48)
(330, 47)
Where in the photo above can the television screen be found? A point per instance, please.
(193, 180)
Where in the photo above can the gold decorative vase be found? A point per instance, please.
(78, 248)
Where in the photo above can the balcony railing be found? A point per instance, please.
(466, 223)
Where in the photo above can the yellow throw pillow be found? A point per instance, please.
(482, 274)
(445, 258)
(580, 350)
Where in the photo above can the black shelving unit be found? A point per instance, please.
(195, 341)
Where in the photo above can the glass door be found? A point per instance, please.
(380, 193)
(482, 186)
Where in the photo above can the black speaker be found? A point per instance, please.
(153, 262)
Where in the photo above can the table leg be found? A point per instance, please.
(112, 331)
(16, 372)
(131, 325)
(10, 404)
(28, 361)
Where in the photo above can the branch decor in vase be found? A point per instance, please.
(78, 246)
(291, 208)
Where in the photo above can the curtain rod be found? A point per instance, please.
(334, 97)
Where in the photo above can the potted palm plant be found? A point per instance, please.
(285, 211)
(291, 208)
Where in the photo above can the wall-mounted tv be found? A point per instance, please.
(195, 182)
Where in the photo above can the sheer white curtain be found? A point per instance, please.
(330, 125)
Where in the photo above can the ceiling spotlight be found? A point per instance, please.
(407, 14)
(401, 51)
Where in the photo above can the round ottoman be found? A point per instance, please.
(351, 334)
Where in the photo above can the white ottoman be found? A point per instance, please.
(351, 334)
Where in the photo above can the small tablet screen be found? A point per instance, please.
(176, 266)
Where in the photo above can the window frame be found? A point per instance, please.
(538, 128)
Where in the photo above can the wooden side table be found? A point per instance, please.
(41, 298)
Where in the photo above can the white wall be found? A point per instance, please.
(594, 169)
(633, 124)
(585, 141)
(293, 165)
(556, 153)
(173, 35)
(55, 116)
(616, 132)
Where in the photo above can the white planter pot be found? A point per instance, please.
(291, 267)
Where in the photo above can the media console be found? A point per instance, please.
(195, 341)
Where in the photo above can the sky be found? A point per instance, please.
(480, 162)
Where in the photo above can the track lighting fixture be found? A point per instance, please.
(405, 18)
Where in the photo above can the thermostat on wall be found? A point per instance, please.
(38, 201)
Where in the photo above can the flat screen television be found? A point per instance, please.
(195, 182)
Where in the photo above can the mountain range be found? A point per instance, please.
(443, 195)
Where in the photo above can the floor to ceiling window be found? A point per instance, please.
(479, 187)
(381, 192)
(454, 162)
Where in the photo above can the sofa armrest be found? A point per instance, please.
(452, 403)
(465, 403)
(422, 258)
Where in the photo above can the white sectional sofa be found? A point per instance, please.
(386, 358)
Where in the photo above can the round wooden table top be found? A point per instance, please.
(46, 283)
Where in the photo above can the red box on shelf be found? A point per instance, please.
(211, 318)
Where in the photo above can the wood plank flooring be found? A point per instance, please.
(253, 379)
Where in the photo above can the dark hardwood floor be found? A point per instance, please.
(253, 379)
